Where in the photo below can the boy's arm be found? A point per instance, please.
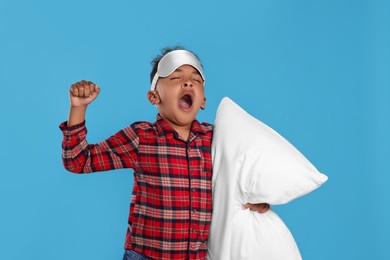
(118, 151)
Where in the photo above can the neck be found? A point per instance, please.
(183, 131)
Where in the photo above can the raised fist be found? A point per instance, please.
(82, 93)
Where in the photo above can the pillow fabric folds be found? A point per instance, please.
(253, 163)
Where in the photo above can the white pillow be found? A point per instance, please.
(252, 163)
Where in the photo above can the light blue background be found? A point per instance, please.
(316, 71)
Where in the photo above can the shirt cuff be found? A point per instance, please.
(72, 130)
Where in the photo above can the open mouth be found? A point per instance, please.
(186, 101)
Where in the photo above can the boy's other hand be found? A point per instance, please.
(260, 208)
(82, 93)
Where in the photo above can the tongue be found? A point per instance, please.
(183, 103)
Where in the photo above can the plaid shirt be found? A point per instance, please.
(171, 204)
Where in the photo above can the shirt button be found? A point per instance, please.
(194, 211)
(193, 189)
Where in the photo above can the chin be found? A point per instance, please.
(186, 118)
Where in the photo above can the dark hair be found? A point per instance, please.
(164, 51)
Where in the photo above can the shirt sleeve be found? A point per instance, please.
(116, 152)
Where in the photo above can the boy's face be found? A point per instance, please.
(179, 96)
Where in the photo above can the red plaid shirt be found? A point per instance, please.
(170, 209)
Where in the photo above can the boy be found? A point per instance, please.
(171, 204)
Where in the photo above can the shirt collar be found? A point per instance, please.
(163, 126)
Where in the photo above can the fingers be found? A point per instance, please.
(84, 89)
(260, 208)
(246, 206)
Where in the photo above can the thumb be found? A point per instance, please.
(95, 92)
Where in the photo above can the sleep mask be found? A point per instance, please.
(172, 60)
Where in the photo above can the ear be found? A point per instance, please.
(203, 106)
(153, 97)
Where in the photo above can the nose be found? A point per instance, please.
(188, 83)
